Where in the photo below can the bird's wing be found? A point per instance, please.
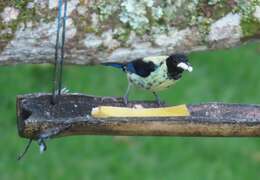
(141, 67)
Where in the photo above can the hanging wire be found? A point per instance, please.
(58, 67)
(25, 150)
(59, 51)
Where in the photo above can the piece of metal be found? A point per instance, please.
(42, 145)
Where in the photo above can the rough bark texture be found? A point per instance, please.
(38, 118)
(121, 30)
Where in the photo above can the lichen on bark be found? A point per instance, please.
(28, 12)
(120, 30)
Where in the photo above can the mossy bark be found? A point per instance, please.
(122, 30)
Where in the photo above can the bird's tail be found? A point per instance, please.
(114, 64)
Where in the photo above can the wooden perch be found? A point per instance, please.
(38, 118)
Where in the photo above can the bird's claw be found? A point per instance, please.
(159, 103)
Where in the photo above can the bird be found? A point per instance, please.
(153, 73)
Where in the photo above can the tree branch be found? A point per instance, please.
(121, 30)
(38, 118)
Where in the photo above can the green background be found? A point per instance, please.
(231, 75)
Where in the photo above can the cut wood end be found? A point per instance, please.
(110, 111)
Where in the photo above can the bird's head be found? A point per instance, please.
(176, 64)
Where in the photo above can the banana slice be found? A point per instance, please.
(110, 111)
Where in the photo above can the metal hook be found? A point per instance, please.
(42, 145)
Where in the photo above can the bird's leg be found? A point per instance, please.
(127, 93)
(157, 99)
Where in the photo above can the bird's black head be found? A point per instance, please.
(176, 64)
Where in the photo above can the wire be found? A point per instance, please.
(25, 150)
(59, 51)
(58, 67)
(62, 45)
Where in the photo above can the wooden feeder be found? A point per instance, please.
(39, 118)
(42, 116)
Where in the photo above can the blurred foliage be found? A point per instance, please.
(225, 75)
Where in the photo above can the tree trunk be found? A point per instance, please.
(122, 30)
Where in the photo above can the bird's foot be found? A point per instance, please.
(157, 100)
(125, 99)
(114, 99)
(159, 103)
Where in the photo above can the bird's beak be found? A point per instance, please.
(185, 66)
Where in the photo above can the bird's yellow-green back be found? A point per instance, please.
(155, 59)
